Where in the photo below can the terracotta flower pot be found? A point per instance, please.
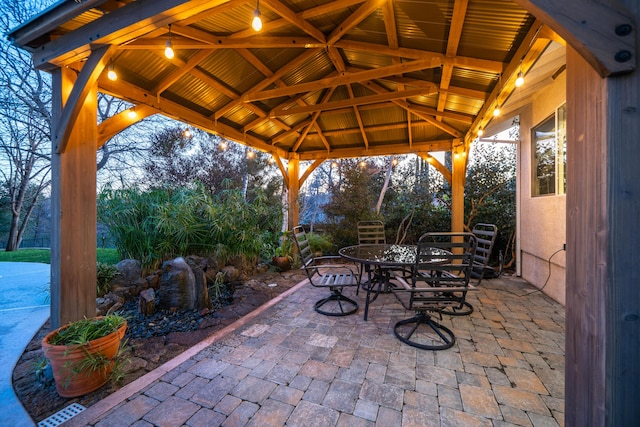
(71, 377)
(282, 262)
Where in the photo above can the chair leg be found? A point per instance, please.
(434, 337)
(342, 305)
(463, 309)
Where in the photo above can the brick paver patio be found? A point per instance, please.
(286, 365)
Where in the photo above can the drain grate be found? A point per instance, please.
(62, 415)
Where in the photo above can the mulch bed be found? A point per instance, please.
(172, 334)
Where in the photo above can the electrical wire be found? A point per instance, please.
(548, 275)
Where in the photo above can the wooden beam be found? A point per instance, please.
(132, 21)
(283, 170)
(344, 79)
(171, 109)
(352, 102)
(313, 166)
(485, 115)
(446, 173)
(119, 122)
(50, 20)
(82, 87)
(183, 68)
(437, 58)
(267, 82)
(602, 31)
(354, 19)
(289, 16)
(382, 150)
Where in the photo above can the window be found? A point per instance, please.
(550, 154)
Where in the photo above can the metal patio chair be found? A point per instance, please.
(335, 277)
(439, 282)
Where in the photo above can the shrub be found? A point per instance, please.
(105, 274)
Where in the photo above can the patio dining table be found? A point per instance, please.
(384, 257)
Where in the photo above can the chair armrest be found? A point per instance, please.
(317, 268)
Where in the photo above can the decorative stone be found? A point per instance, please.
(231, 273)
(179, 288)
(147, 302)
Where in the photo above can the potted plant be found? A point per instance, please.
(82, 354)
(285, 252)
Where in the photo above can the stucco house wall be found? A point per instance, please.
(542, 219)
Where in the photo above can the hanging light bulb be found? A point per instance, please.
(251, 154)
(223, 145)
(168, 50)
(256, 24)
(334, 164)
(480, 132)
(111, 73)
(496, 112)
(363, 164)
(132, 113)
(187, 133)
(168, 47)
(520, 79)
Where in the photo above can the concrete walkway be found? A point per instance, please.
(284, 364)
(24, 307)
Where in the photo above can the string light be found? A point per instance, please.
(168, 47)
(187, 133)
(256, 24)
(363, 164)
(496, 112)
(271, 160)
(394, 161)
(132, 113)
(480, 132)
(111, 73)
(251, 154)
(223, 145)
(520, 79)
(334, 164)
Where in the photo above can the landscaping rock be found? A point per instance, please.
(179, 288)
(147, 302)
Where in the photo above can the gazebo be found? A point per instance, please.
(345, 78)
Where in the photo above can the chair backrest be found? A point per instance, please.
(450, 267)
(304, 248)
(371, 233)
(486, 236)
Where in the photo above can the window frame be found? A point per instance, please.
(558, 175)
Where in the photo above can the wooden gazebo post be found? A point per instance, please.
(73, 214)
(458, 172)
(293, 191)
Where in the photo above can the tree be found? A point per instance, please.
(180, 159)
(25, 123)
(490, 193)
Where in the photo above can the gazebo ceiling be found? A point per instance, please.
(322, 79)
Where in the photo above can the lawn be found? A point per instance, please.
(108, 256)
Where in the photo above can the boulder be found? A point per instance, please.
(129, 270)
(179, 288)
(199, 267)
(147, 302)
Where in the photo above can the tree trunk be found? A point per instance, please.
(385, 186)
